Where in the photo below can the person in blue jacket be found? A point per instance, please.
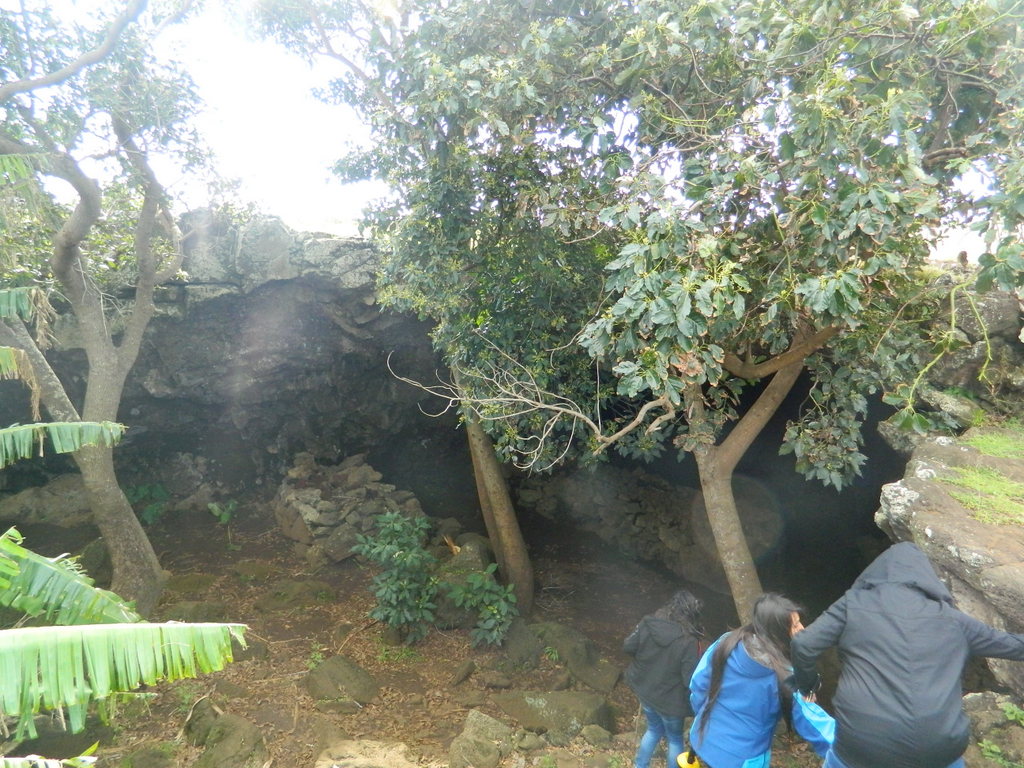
(664, 647)
(742, 687)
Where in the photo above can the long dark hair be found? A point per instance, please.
(683, 608)
(768, 632)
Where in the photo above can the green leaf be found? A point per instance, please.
(53, 588)
(44, 668)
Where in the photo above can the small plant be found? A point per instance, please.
(406, 586)
(223, 512)
(401, 653)
(495, 605)
(1013, 713)
(152, 498)
(992, 751)
(316, 658)
(551, 653)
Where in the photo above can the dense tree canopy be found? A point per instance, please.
(701, 195)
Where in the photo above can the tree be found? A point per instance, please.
(756, 184)
(84, 107)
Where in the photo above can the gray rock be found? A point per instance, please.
(341, 678)
(561, 711)
(483, 743)
(981, 563)
(234, 742)
(61, 502)
(579, 655)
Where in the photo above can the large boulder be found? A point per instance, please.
(980, 560)
(341, 678)
(483, 743)
(61, 502)
(563, 712)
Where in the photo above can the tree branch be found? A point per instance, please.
(797, 352)
(126, 17)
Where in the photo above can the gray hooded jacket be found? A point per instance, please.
(903, 647)
(664, 657)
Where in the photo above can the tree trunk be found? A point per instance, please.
(517, 570)
(720, 504)
(137, 572)
(716, 465)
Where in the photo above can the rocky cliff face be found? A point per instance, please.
(272, 345)
(962, 502)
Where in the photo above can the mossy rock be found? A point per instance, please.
(160, 755)
(288, 594)
(254, 571)
(190, 583)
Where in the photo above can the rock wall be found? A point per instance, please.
(650, 518)
(981, 562)
(271, 346)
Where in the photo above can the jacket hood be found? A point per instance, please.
(904, 564)
(662, 631)
(750, 661)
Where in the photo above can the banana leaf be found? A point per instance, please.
(43, 668)
(19, 442)
(17, 302)
(53, 588)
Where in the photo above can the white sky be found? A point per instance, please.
(266, 128)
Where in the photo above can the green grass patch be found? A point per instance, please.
(990, 496)
(1006, 442)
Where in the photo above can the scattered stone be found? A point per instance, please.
(528, 741)
(369, 754)
(254, 571)
(522, 646)
(565, 711)
(495, 679)
(233, 742)
(201, 720)
(340, 678)
(62, 502)
(191, 584)
(149, 756)
(483, 743)
(254, 649)
(596, 736)
(288, 594)
(471, 698)
(579, 655)
(463, 673)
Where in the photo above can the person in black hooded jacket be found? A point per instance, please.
(665, 650)
(903, 647)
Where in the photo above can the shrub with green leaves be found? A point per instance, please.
(406, 586)
(494, 604)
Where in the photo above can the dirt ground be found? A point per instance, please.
(236, 566)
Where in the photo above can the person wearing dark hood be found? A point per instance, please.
(665, 649)
(903, 647)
